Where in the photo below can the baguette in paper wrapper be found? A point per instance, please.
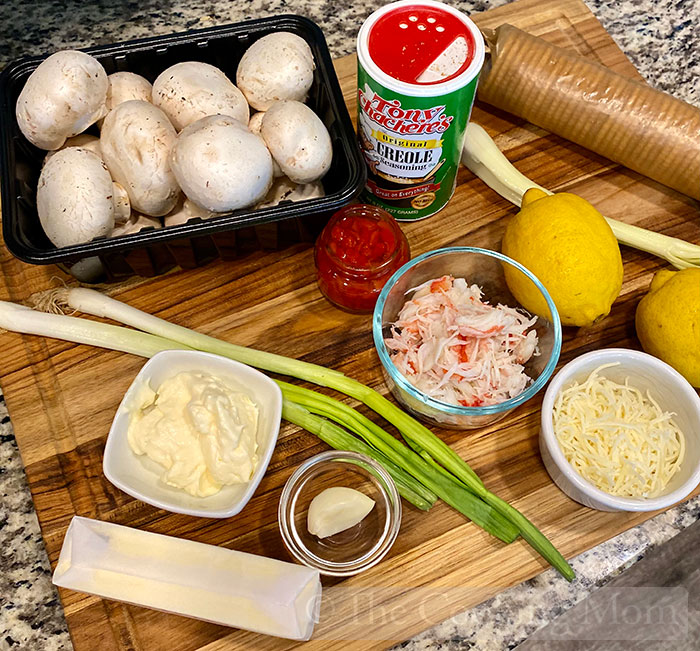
(189, 578)
(624, 120)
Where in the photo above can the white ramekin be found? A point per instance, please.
(666, 385)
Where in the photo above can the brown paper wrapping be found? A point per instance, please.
(624, 120)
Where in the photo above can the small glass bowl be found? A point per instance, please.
(353, 550)
(484, 268)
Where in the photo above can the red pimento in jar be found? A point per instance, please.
(357, 252)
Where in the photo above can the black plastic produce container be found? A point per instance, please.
(154, 251)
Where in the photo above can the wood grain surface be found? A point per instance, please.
(62, 397)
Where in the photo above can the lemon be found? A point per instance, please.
(568, 245)
(668, 321)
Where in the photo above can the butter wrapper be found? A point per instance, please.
(188, 578)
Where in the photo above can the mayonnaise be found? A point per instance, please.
(200, 428)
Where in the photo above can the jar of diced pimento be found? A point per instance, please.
(357, 252)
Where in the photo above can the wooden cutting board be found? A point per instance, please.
(62, 397)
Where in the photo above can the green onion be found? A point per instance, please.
(339, 439)
(482, 156)
(348, 418)
(421, 436)
(420, 451)
(19, 318)
(448, 489)
(92, 302)
(532, 534)
(528, 531)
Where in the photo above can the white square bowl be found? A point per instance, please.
(139, 477)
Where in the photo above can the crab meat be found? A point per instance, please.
(456, 348)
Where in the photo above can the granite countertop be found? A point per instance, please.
(658, 36)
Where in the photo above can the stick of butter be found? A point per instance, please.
(190, 578)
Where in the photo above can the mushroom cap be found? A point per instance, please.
(74, 197)
(136, 141)
(62, 97)
(191, 90)
(255, 125)
(125, 86)
(220, 165)
(87, 270)
(83, 140)
(297, 140)
(255, 122)
(277, 66)
(122, 205)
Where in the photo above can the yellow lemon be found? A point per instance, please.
(668, 321)
(569, 246)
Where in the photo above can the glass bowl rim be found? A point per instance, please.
(384, 543)
(445, 407)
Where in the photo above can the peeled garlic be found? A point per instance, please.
(337, 509)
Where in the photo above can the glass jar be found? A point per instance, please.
(357, 252)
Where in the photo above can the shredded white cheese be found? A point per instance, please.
(616, 438)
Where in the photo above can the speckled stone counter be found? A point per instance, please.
(661, 39)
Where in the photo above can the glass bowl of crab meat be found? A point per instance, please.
(457, 349)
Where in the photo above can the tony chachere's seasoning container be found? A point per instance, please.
(418, 67)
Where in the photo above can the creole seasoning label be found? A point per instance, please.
(403, 145)
(412, 142)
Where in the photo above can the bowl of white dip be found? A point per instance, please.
(194, 434)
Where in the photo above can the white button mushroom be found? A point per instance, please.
(125, 86)
(136, 141)
(255, 122)
(87, 270)
(191, 90)
(277, 66)
(255, 125)
(220, 165)
(84, 140)
(297, 140)
(74, 197)
(62, 98)
(122, 205)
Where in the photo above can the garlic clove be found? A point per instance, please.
(336, 509)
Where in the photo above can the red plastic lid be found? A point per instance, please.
(421, 44)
